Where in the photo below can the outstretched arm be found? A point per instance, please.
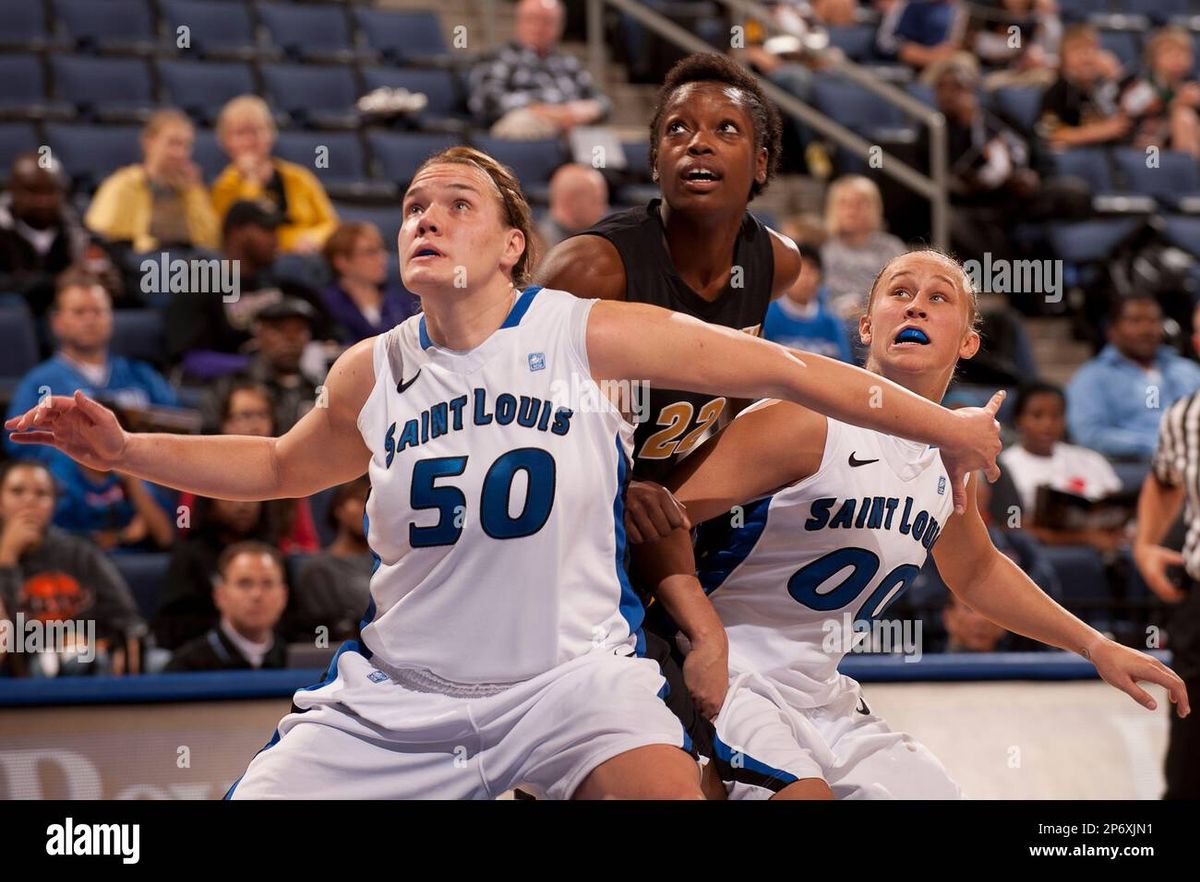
(323, 449)
(976, 571)
(629, 341)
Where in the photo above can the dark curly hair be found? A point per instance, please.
(712, 67)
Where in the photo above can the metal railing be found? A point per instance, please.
(932, 187)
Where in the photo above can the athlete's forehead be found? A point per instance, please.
(452, 176)
(709, 96)
(933, 267)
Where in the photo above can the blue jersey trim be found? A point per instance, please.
(511, 321)
(631, 605)
(721, 547)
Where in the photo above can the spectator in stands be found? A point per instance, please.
(282, 331)
(49, 575)
(990, 179)
(245, 406)
(246, 131)
(920, 32)
(160, 202)
(1116, 400)
(801, 320)
(1164, 99)
(358, 302)
(201, 323)
(40, 234)
(186, 609)
(334, 587)
(529, 88)
(1032, 58)
(118, 512)
(1081, 107)
(857, 247)
(81, 322)
(1042, 458)
(250, 593)
(968, 630)
(578, 199)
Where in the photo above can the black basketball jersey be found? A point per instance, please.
(677, 421)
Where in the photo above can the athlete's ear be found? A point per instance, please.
(864, 329)
(514, 247)
(760, 165)
(970, 345)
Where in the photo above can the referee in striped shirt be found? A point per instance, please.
(1175, 477)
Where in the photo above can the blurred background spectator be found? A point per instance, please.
(360, 302)
(801, 318)
(578, 199)
(857, 247)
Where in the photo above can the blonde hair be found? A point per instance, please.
(514, 208)
(160, 119)
(1171, 34)
(966, 283)
(857, 184)
(242, 104)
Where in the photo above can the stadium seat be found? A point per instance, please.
(345, 176)
(89, 153)
(23, 90)
(399, 154)
(1176, 176)
(207, 153)
(445, 110)
(317, 97)
(854, 107)
(1159, 11)
(108, 25)
(403, 37)
(318, 504)
(19, 354)
(533, 162)
(1091, 164)
(1079, 10)
(146, 575)
(1126, 45)
(309, 33)
(1183, 232)
(1080, 571)
(15, 138)
(856, 41)
(923, 93)
(1090, 241)
(201, 88)
(25, 26)
(105, 89)
(216, 29)
(1019, 106)
(138, 334)
(387, 218)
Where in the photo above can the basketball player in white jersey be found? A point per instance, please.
(832, 523)
(501, 645)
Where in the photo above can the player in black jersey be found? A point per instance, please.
(714, 145)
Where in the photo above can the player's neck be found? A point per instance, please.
(923, 383)
(701, 246)
(461, 319)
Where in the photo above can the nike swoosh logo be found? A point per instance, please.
(862, 707)
(855, 463)
(402, 385)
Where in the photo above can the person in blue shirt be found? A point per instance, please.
(801, 318)
(1115, 402)
(95, 504)
(920, 32)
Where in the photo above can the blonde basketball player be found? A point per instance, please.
(835, 521)
(501, 646)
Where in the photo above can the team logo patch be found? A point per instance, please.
(941, 485)
(537, 361)
(377, 676)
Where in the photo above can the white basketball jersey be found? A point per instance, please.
(807, 562)
(496, 507)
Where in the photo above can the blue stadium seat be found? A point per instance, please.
(857, 41)
(106, 89)
(1176, 177)
(1126, 45)
(1020, 105)
(1091, 164)
(146, 575)
(320, 97)
(25, 26)
(854, 107)
(207, 153)
(1085, 587)
(216, 29)
(318, 504)
(403, 37)
(399, 153)
(923, 93)
(15, 138)
(108, 25)
(387, 218)
(138, 333)
(533, 162)
(313, 33)
(439, 86)
(1183, 232)
(1079, 10)
(1159, 11)
(346, 175)
(89, 153)
(201, 88)
(1089, 241)
(19, 354)
(23, 93)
